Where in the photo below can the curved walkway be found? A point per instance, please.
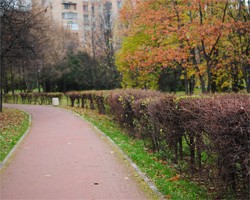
(63, 157)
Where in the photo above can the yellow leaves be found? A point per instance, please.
(12, 124)
(165, 35)
(10, 117)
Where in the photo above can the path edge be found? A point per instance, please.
(11, 153)
(135, 167)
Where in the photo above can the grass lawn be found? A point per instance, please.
(162, 173)
(13, 124)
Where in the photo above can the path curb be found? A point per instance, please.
(137, 169)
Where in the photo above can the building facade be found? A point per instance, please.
(82, 16)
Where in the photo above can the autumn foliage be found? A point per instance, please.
(208, 40)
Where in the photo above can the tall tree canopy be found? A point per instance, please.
(207, 40)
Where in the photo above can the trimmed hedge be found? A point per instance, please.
(32, 98)
(207, 136)
(89, 99)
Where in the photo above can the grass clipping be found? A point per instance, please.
(13, 124)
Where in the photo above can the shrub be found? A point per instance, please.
(121, 104)
(9, 98)
(32, 98)
(208, 135)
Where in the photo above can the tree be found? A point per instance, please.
(54, 54)
(187, 35)
(238, 42)
(21, 27)
(100, 44)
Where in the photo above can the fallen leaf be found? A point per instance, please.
(175, 178)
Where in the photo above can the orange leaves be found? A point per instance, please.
(174, 178)
(191, 34)
(13, 123)
(10, 117)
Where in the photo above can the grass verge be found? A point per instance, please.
(13, 124)
(163, 174)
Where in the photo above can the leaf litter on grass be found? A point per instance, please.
(13, 124)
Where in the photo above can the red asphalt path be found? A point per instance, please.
(63, 157)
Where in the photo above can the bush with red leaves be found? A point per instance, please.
(211, 134)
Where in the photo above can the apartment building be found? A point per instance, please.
(81, 16)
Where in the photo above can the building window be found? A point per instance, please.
(69, 6)
(85, 8)
(119, 4)
(86, 19)
(69, 15)
(72, 26)
(86, 23)
(93, 9)
(66, 6)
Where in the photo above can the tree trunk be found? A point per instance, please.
(196, 60)
(199, 151)
(12, 81)
(192, 153)
(203, 87)
(191, 84)
(248, 77)
(23, 79)
(209, 78)
(6, 88)
(94, 58)
(186, 82)
(180, 146)
(235, 78)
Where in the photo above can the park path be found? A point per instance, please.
(64, 157)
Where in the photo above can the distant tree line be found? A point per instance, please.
(78, 71)
(37, 53)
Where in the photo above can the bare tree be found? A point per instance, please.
(22, 25)
(100, 44)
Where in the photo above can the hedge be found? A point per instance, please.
(32, 98)
(207, 136)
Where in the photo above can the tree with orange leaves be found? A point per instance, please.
(191, 35)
